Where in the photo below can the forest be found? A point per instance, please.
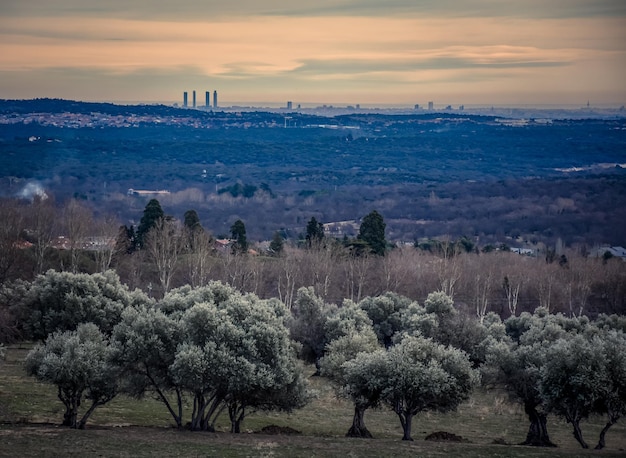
(429, 174)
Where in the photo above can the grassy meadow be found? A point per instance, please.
(30, 414)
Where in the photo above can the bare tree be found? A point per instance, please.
(357, 268)
(77, 221)
(449, 270)
(578, 283)
(11, 226)
(163, 245)
(105, 231)
(289, 275)
(41, 229)
(198, 261)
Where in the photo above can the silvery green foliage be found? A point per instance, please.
(423, 375)
(572, 379)
(387, 314)
(223, 349)
(143, 346)
(613, 404)
(238, 355)
(60, 301)
(309, 314)
(77, 362)
(349, 331)
(586, 375)
(516, 363)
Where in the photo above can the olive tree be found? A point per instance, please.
(77, 362)
(613, 404)
(350, 333)
(60, 301)
(422, 375)
(143, 346)
(572, 380)
(225, 350)
(585, 375)
(516, 362)
(387, 314)
(237, 356)
(309, 314)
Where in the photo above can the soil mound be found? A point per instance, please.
(443, 436)
(276, 430)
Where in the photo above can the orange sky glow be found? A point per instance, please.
(329, 56)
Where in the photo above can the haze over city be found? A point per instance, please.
(564, 52)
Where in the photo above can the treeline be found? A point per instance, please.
(162, 253)
(223, 351)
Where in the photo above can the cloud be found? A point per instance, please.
(212, 10)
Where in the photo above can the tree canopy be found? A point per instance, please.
(372, 232)
(77, 362)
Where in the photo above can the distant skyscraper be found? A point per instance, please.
(194, 99)
(185, 99)
(207, 97)
(417, 106)
(431, 105)
(289, 105)
(214, 99)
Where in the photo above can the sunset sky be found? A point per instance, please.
(487, 52)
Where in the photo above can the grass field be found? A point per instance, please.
(30, 414)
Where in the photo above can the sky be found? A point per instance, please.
(368, 52)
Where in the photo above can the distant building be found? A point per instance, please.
(289, 105)
(417, 106)
(214, 99)
(145, 192)
(431, 106)
(207, 99)
(194, 99)
(185, 99)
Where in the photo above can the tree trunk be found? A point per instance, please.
(406, 426)
(578, 434)
(538, 430)
(236, 413)
(83, 420)
(358, 428)
(611, 422)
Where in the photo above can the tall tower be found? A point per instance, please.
(431, 105)
(214, 99)
(207, 99)
(185, 99)
(194, 99)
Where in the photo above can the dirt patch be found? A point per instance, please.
(279, 430)
(443, 436)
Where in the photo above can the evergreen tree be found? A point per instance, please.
(277, 244)
(151, 214)
(238, 234)
(192, 221)
(372, 232)
(314, 232)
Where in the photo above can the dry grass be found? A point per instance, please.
(30, 413)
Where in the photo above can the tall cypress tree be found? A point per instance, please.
(372, 232)
(151, 214)
(238, 234)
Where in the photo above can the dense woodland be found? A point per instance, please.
(429, 174)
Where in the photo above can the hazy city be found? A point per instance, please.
(341, 228)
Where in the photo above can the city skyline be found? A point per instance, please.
(334, 52)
